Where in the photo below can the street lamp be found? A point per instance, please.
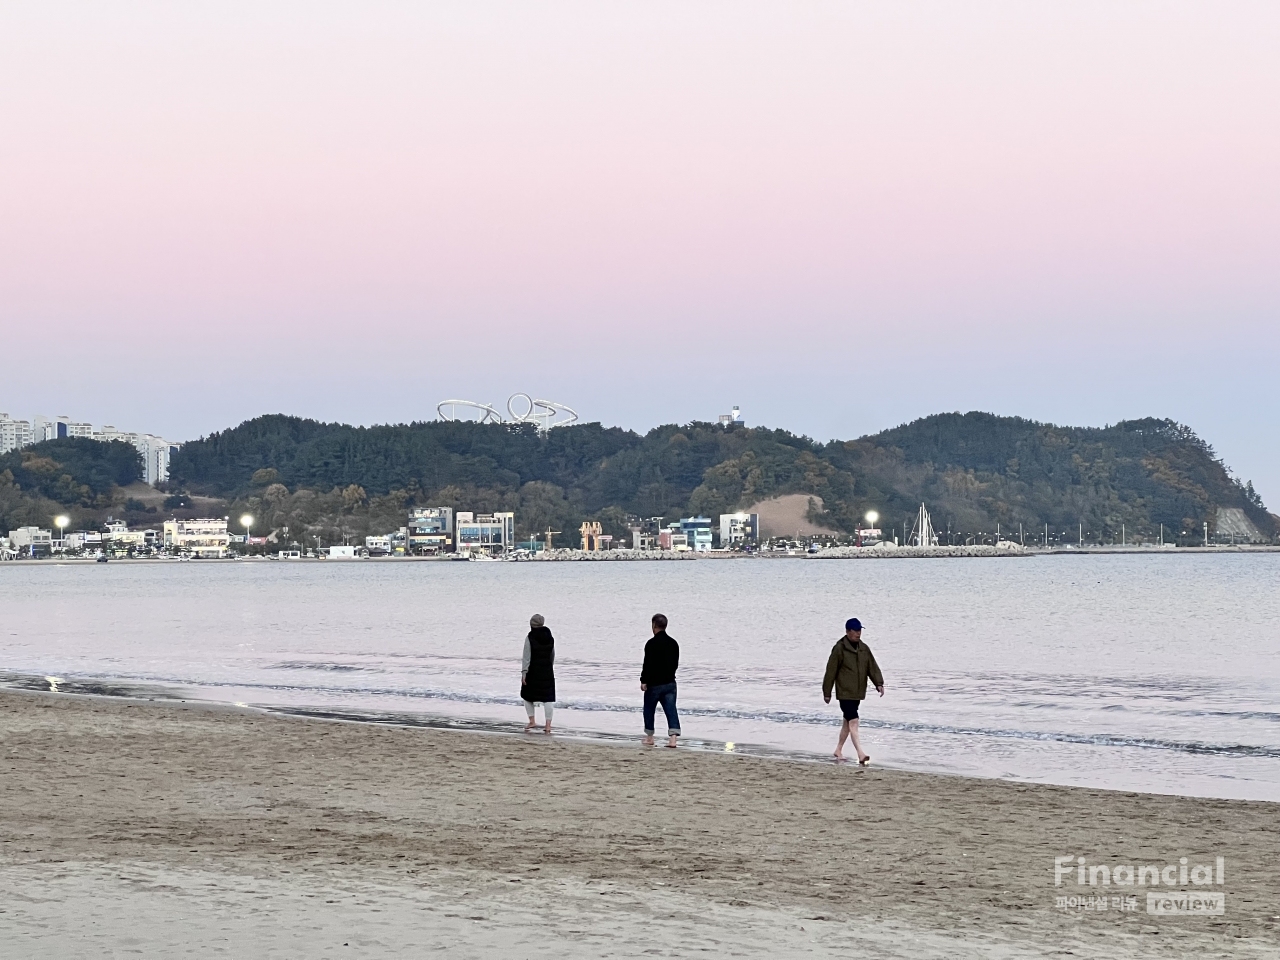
(872, 517)
(62, 522)
(247, 522)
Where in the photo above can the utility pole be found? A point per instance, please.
(1123, 540)
(1046, 536)
(1080, 534)
(1162, 534)
(1020, 537)
(1206, 533)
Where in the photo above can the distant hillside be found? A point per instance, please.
(973, 470)
(73, 475)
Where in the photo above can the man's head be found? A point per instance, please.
(659, 623)
(537, 620)
(853, 628)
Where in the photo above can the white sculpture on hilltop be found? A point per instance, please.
(544, 413)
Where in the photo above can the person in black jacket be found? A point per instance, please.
(658, 681)
(537, 674)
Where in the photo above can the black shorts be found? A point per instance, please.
(850, 709)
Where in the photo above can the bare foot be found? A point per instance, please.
(547, 729)
(671, 742)
(865, 761)
(838, 755)
(530, 726)
(648, 741)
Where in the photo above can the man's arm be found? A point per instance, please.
(829, 678)
(873, 670)
(524, 664)
(644, 667)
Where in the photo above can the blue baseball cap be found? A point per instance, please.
(854, 624)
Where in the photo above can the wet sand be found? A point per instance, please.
(166, 829)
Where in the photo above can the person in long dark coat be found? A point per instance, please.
(537, 673)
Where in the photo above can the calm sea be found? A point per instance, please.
(1155, 673)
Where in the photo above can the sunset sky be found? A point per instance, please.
(840, 216)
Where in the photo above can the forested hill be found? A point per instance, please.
(973, 470)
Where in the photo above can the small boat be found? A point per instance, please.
(103, 558)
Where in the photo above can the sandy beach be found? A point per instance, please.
(163, 829)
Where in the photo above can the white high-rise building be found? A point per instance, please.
(61, 426)
(155, 451)
(14, 434)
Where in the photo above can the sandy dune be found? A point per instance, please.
(788, 516)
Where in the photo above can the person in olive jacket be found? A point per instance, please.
(848, 668)
(537, 673)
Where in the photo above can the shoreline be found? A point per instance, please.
(984, 552)
(124, 689)
(937, 865)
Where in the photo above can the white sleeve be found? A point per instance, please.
(528, 655)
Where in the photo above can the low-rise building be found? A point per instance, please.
(31, 541)
(118, 536)
(82, 540)
(430, 530)
(697, 531)
(486, 532)
(378, 546)
(644, 532)
(738, 528)
(207, 538)
(673, 538)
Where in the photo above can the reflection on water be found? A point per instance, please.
(1130, 672)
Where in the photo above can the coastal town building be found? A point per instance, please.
(118, 536)
(738, 528)
(206, 538)
(644, 532)
(673, 538)
(697, 532)
(31, 541)
(486, 532)
(430, 530)
(378, 546)
(81, 541)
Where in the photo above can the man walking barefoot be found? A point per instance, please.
(848, 667)
(658, 681)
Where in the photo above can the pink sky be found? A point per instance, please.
(1068, 211)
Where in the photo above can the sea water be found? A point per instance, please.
(1152, 673)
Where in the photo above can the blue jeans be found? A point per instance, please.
(664, 693)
